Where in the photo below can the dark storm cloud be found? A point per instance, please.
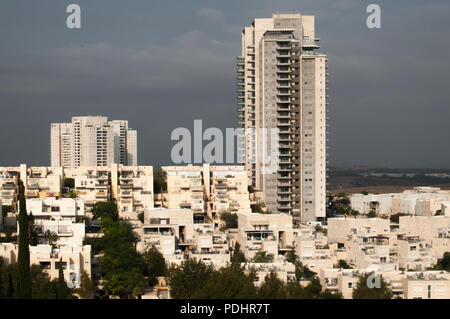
(161, 65)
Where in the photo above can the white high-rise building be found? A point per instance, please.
(282, 88)
(92, 141)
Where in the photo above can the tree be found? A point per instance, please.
(230, 219)
(343, 264)
(72, 194)
(238, 256)
(49, 237)
(61, 290)
(354, 212)
(6, 209)
(292, 257)
(272, 287)
(187, 280)
(69, 182)
(395, 218)
(159, 181)
(262, 257)
(229, 282)
(105, 209)
(33, 236)
(314, 289)
(371, 214)
(256, 208)
(363, 291)
(122, 267)
(87, 286)
(444, 263)
(155, 265)
(251, 189)
(23, 260)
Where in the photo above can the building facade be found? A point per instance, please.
(282, 92)
(92, 141)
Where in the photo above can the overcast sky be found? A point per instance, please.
(160, 64)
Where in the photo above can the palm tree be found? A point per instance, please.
(50, 237)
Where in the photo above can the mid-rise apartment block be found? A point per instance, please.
(272, 233)
(131, 187)
(282, 92)
(420, 201)
(207, 190)
(64, 217)
(38, 182)
(75, 260)
(92, 141)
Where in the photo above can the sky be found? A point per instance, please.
(161, 64)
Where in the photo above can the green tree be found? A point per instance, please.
(87, 286)
(262, 257)
(363, 291)
(69, 182)
(6, 209)
(444, 263)
(238, 256)
(272, 287)
(343, 264)
(105, 209)
(395, 218)
(23, 260)
(229, 282)
(439, 213)
(61, 290)
(371, 214)
(72, 194)
(155, 265)
(122, 267)
(187, 280)
(292, 257)
(159, 181)
(49, 237)
(33, 236)
(230, 219)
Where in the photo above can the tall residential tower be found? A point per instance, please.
(282, 87)
(92, 141)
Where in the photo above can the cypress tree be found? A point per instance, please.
(24, 275)
(60, 292)
(10, 286)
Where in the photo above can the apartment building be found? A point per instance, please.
(63, 217)
(9, 186)
(272, 233)
(92, 141)
(375, 252)
(420, 201)
(130, 186)
(38, 181)
(342, 229)
(207, 190)
(313, 249)
(75, 259)
(414, 253)
(285, 271)
(432, 285)
(407, 285)
(177, 236)
(282, 91)
(427, 227)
